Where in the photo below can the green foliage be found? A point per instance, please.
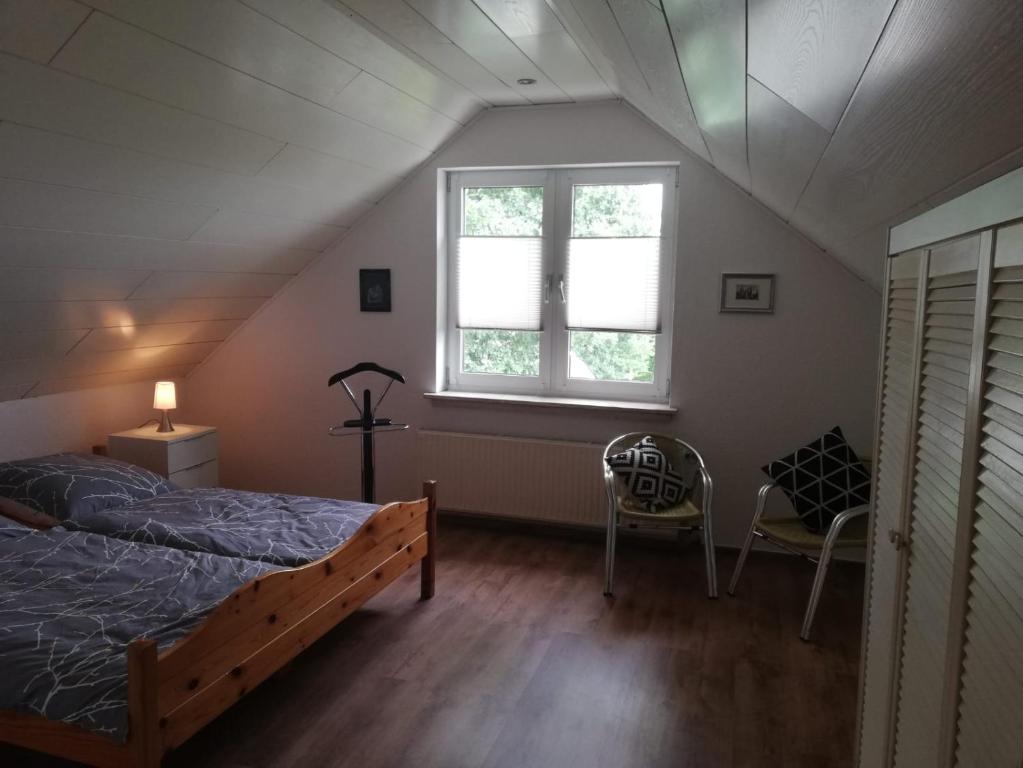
(614, 356)
(617, 210)
(504, 211)
(513, 353)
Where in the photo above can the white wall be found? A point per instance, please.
(748, 387)
(71, 421)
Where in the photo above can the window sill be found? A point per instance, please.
(487, 398)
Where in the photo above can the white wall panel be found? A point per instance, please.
(37, 155)
(812, 54)
(371, 99)
(710, 42)
(54, 385)
(250, 229)
(67, 284)
(165, 285)
(43, 97)
(21, 247)
(469, 28)
(16, 346)
(32, 315)
(300, 166)
(784, 146)
(557, 54)
(132, 336)
(36, 29)
(27, 204)
(328, 25)
(397, 23)
(116, 54)
(242, 38)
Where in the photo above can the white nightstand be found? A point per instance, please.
(187, 456)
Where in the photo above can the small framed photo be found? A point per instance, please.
(375, 290)
(747, 293)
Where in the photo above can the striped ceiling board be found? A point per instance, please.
(161, 175)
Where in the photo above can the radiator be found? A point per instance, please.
(548, 480)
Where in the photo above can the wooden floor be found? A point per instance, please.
(520, 661)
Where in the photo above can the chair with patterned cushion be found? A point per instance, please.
(848, 530)
(692, 512)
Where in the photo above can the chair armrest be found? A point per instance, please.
(840, 521)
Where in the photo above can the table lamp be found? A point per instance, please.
(165, 400)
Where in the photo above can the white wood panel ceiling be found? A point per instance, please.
(167, 165)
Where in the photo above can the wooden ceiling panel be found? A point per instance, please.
(36, 29)
(32, 154)
(941, 97)
(125, 57)
(134, 336)
(19, 285)
(43, 97)
(326, 174)
(472, 30)
(179, 285)
(35, 315)
(18, 346)
(250, 229)
(54, 249)
(812, 53)
(784, 147)
(327, 24)
(55, 385)
(710, 44)
(49, 206)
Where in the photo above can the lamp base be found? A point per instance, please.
(165, 423)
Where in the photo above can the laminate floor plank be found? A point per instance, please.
(520, 662)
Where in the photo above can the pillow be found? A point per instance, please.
(19, 513)
(67, 484)
(648, 476)
(822, 479)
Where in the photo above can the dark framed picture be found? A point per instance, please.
(375, 290)
(747, 292)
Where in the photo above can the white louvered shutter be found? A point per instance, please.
(933, 512)
(990, 724)
(894, 424)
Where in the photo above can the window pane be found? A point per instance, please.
(616, 210)
(611, 356)
(512, 353)
(503, 211)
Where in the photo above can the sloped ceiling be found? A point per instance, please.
(167, 165)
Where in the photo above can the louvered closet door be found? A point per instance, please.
(991, 704)
(933, 511)
(892, 451)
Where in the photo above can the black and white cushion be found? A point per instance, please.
(648, 475)
(822, 479)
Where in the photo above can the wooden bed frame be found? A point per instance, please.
(248, 637)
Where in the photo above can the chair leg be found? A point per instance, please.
(744, 552)
(711, 562)
(815, 592)
(609, 554)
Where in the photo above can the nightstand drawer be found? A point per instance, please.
(185, 454)
(206, 475)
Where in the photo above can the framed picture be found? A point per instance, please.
(747, 293)
(375, 290)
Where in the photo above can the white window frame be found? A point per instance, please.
(553, 379)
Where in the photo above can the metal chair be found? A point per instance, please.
(686, 516)
(848, 530)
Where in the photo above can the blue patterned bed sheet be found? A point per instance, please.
(268, 527)
(71, 602)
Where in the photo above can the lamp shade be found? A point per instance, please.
(165, 399)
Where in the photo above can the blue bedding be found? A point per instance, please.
(271, 528)
(70, 602)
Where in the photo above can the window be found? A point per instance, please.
(560, 282)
